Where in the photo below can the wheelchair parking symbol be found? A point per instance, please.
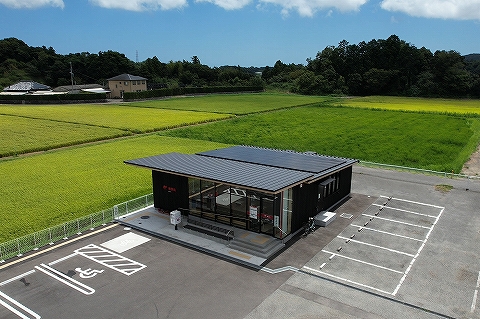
(88, 273)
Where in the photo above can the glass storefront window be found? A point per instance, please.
(251, 210)
(267, 215)
(194, 194)
(285, 223)
(238, 204)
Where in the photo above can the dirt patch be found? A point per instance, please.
(472, 166)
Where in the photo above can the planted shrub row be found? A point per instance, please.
(130, 96)
(53, 99)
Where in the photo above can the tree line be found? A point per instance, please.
(381, 67)
(378, 67)
(18, 61)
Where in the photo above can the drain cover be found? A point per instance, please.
(345, 215)
(145, 217)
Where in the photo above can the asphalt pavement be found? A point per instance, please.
(399, 248)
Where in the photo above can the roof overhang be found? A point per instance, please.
(269, 171)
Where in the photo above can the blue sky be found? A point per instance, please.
(237, 32)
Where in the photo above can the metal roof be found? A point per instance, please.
(27, 85)
(305, 162)
(126, 77)
(265, 178)
(256, 168)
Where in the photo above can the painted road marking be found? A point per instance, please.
(110, 259)
(396, 221)
(16, 278)
(418, 253)
(343, 279)
(65, 279)
(364, 262)
(413, 202)
(386, 232)
(405, 211)
(376, 246)
(88, 273)
(475, 295)
(17, 308)
(125, 242)
(413, 256)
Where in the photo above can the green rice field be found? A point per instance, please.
(448, 106)
(24, 135)
(233, 103)
(47, 188)
(139, 120)
(429, 141)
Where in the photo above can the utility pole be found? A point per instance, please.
(71, 74)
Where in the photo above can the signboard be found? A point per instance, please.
(276, 220)
(254, 212)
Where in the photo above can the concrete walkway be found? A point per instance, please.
(153, 222)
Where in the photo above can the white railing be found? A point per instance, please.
(418, 170)
(49, 236)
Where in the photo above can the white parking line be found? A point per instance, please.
(16, 277)
(404, 211)
(396, 221)
(414, 256)
(65, 279)
(346, 280)
(14, 307)
(363, 262)
(62, 259)
(418, 253)
(475, 294)
(385, 232)
(413, 202)
(110, 259)
(376, 246)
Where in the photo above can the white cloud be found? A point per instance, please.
(444, 9)
(32, 4)
(140, 5)
(228, 4)
(309, 7)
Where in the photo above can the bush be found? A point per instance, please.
(53, 99)
(129, 96)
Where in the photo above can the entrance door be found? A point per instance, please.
(267, 216)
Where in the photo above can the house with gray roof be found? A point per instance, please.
(26, 87)
(126, 83)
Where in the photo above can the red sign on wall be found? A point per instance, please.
(169, 188)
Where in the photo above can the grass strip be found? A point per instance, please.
(428, 141)
(58, 186)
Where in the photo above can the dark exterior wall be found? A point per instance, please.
(170, 191)
(304, 204)
(307, 204)
(344, 190)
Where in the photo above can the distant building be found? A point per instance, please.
(126, 83)
(79, 88)
(27, 87)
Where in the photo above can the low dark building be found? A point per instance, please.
(262, 190)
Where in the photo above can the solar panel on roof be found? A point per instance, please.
(306, 162)
(263, 169)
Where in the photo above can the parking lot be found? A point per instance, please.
(378, 249)
(409, 251)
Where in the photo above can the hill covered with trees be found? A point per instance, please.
(378, 67)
